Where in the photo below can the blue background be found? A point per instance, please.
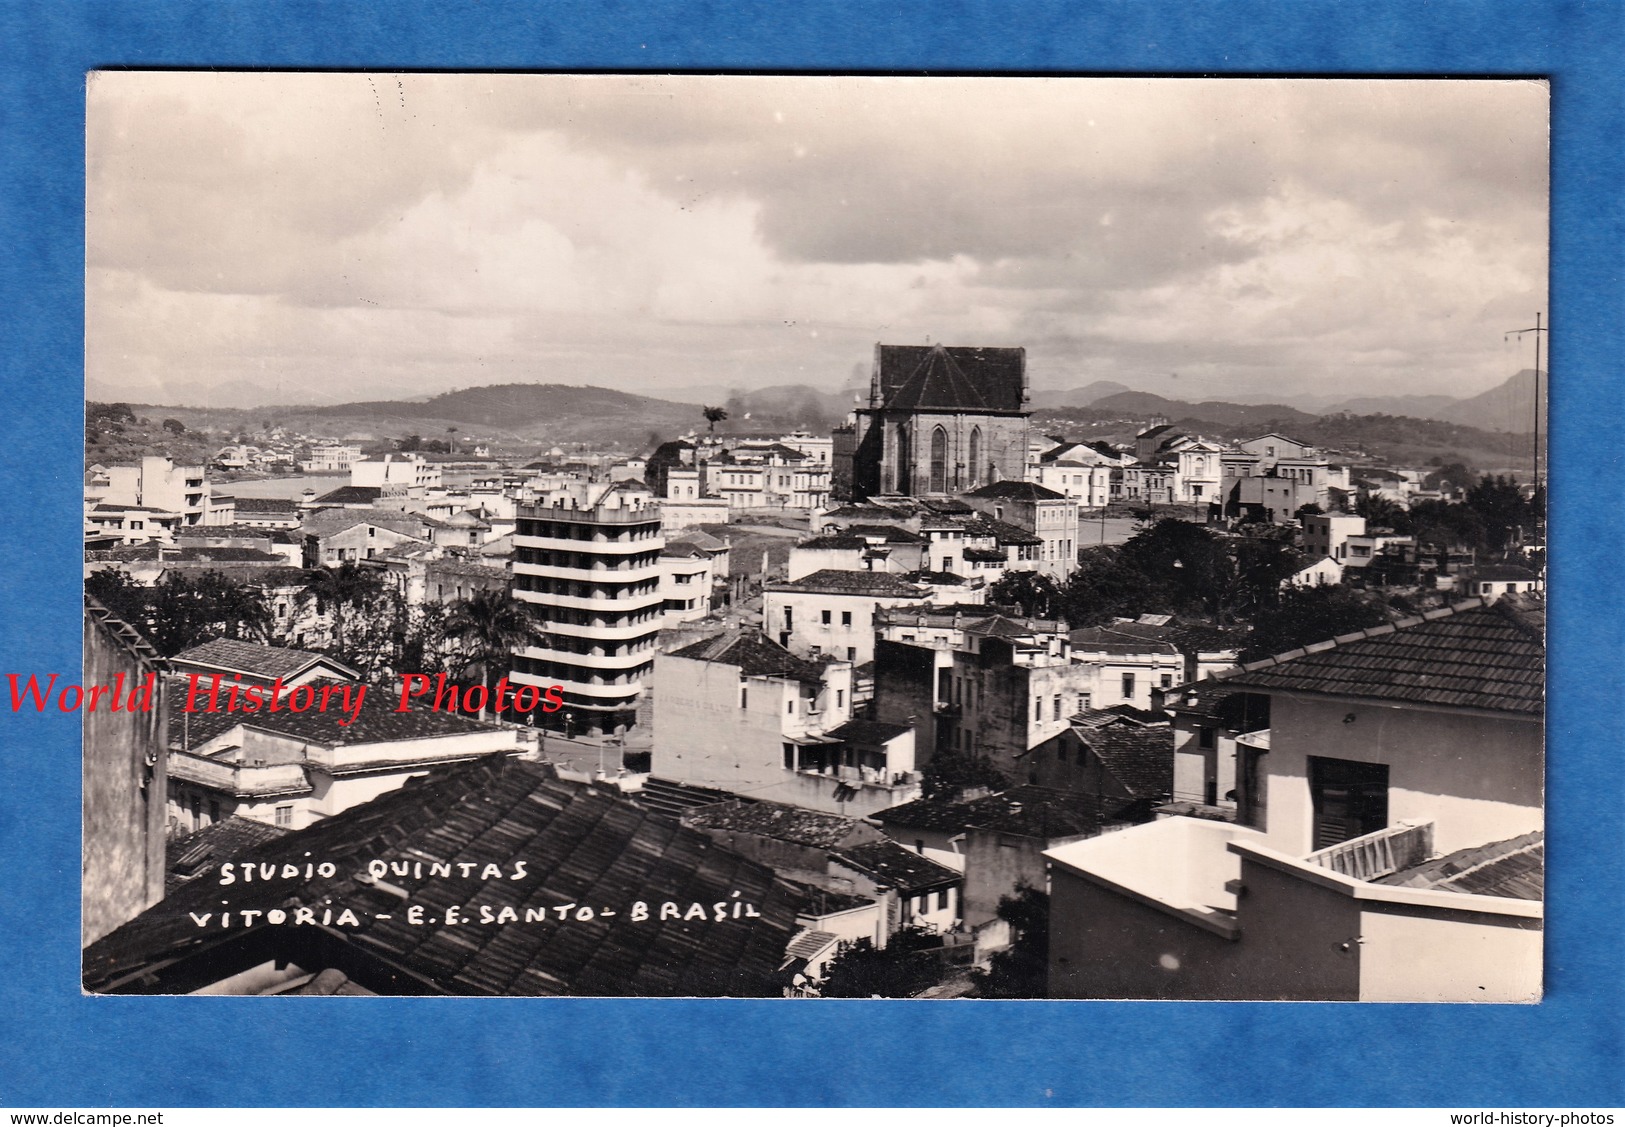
(62, 1049)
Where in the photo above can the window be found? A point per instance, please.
(942, 900)
(1350, 799)
(284, 816)
(1128, 686)
(789, 757)
(1167, 680)
(846, 618)
(1204, 739)
(824, 617)
(744, 696)
(939, 461)
(975, 458)
(840, 698)
(1060, 750)
(1057, 714)
(790, 707)
(851, 653)
(789, 617)
(214, 811)
(1038, 708)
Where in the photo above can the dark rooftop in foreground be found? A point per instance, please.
(578, 844)
(1470, 655)
(199, 853)
(1025, 811)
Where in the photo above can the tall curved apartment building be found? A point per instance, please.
(587, 564)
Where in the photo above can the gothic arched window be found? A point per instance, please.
(939, 460)
(975, 459)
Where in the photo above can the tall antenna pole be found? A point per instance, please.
(1537, 330)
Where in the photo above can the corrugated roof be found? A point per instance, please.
(1467, 656)
(579, 846)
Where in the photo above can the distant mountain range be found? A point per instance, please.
(1507, 408)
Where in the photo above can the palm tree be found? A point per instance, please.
(490, 625)
(714, 415)
(451, 442)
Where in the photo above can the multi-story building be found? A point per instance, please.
(1080, 470)
(411, 470)
(587, 563)
(1046, 514)
(994, 686)
(737, 713)
(331, 457)
(158, 483)
(1387, 842)
(1328, 534)
(832, 613)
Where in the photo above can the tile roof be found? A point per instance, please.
(889, 533)
(829, 581)
(926, 377)
(232, 531)
(1139, 756)
(893, 866)
(837, 541)
(700, 539)
(1466, 656)
(377, 722)
(1003, 626)
(776, 820)
(267, 505)
(754, 653)
(1002, 531)
(269, 662)
(809, 943)
(579, 845)
(1017, 491)
(351, 495)
(197, 854)
(1025, 811)
(1514, 868)
(1502, 573)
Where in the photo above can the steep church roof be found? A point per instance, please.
(935, 377)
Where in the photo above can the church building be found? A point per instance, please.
(941, 420)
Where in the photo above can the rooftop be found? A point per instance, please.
(1016, 491)
(1514, 868)
(776, 820)
(269, 662)
(828, 581)
(1025, 811)
(578, 845)
(351, 495)
(199, 853)
(377, 721)
(754, 653)
(870, 732)
(925, 377)
(892, 866)
(1470, 655)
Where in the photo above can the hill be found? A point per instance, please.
(1509, 408)
(1262, 416)
(1085, 396)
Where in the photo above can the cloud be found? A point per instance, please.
(433, 230)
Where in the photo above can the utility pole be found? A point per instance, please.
(1537, 330)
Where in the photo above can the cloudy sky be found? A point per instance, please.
(312, 238)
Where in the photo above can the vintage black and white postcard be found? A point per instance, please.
(813, 537)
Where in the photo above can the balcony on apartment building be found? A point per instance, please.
(244, 780)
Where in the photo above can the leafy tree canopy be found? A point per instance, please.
(1022, 969)
(901, 969)
(1311, 614)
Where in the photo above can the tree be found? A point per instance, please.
(1306, 615)
(182, 610)
(1506, 515)
(109, 413)
(1381, 512)
(1037, 595)
(174, 426)
(410, 443)
(713, 416)
(1102, 587)
(902, 969)
(1022, 969)
(952, 771)
(490, 625)
(345, 590)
